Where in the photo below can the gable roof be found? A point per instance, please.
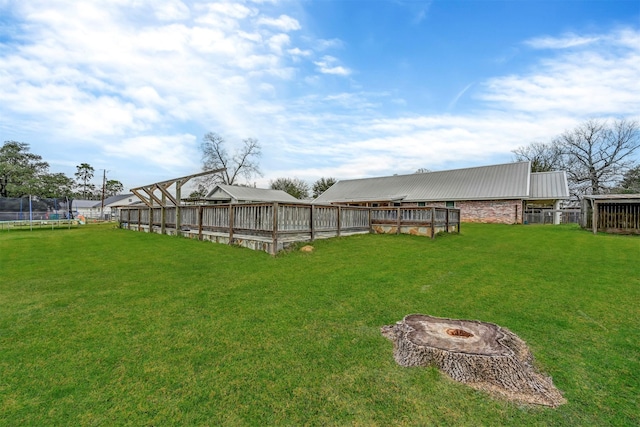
(509, 180)
(223, 192)
(84, 204)
(549, 185)
(495, 182)
(122, 200)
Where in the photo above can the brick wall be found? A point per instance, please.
(487, 211)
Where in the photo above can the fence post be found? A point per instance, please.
(399, 220)
(230, 223)
(339, 219)
(312, 222)
(163, 215)
(447, 220)
(200, 211)
(150, 220)
(274, 248)
(433, 222)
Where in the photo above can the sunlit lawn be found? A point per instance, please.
(102, 326)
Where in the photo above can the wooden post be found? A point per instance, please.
(178, 212)
(370, 220)
(398, 219)
(163, 215)
(230, 223)
(274, 248)
(339, 225)
(594, 226)
(447, 220)
(433, 222)
(312, 222)
(200, 214)
(150, 221)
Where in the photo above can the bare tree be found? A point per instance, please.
(543, 157)
(597, 154)
(242, 163)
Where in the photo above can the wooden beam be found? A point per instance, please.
(165, 193)
(141, 197)
(152, 197)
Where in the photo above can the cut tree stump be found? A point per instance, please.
(482, 355)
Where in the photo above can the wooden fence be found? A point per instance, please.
(271, 227)
(616, 218)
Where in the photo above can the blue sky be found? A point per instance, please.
(343, 89)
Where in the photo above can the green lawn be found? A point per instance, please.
(101, 326)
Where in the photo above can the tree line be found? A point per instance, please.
(597, 156)
(23, 173)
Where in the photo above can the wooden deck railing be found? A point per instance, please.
(273, 226)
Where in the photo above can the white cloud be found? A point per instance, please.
(165, 151)
(278, 42)
(299, 52)
(171, 10)
(326, 44)
(582, 82)
(564, 42)
(327, 65)
(283, 23)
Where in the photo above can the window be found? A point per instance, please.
(450, 204)
(375, 205)
(397, 204)
(421, 204)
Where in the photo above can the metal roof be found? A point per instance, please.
(85, 204)
(505, 181)
(613, 197)
(249, 194)
(549, 185)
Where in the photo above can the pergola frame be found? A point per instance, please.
(150, 196)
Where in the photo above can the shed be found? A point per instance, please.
(236, 194)
(611, 213)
